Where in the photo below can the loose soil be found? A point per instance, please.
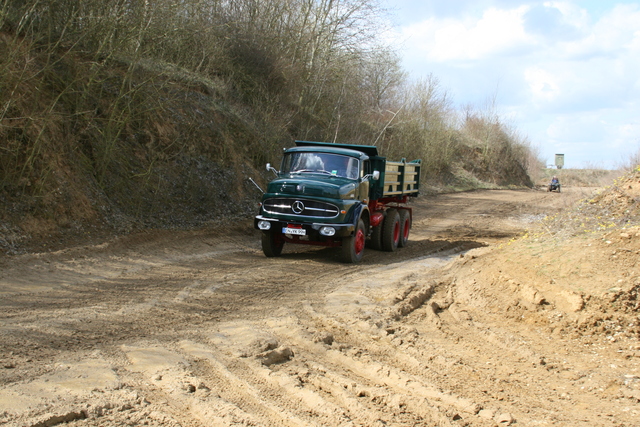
(477, 322)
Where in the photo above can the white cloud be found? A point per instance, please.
(617, 32)
(552, 22)
(586, 128)
(566, 71)
(597, 71)
(468, 39)
(543, 85)
(572, 14)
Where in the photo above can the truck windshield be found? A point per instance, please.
(323, 163)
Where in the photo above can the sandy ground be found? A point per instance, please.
(472, 324)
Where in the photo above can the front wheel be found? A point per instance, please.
(405, 226)
(353, 246)
(272, 243)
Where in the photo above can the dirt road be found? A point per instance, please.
(200, 329)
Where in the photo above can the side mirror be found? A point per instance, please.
(272, 169)
(375, 176)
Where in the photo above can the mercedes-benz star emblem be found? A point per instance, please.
(297, 207)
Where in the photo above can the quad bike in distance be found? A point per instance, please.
(554, 186)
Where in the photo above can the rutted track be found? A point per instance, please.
(200, 329)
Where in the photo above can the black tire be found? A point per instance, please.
(272, 243)
(405, 227)
(376, 238)
(353, 246)
(391, 231)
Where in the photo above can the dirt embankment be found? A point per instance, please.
(475, 323)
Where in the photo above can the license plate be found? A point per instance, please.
(296, 231)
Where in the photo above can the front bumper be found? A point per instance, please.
(312, 228)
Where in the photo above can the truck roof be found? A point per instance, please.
(369, 150)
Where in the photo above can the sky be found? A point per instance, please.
(564, 74)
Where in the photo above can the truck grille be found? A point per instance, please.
(300, 207)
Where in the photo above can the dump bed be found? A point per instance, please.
(401, 178)
(397, 179)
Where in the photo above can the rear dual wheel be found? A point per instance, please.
(391, 231)
(405, 227)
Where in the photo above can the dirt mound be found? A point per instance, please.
(574, 273)
(622, 199)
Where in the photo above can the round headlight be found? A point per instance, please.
(328, 231)
(264, 225)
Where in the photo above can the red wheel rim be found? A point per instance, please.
(359, 243)
(406, 229)
(396, 232)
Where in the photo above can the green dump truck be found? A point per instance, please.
(338, 195)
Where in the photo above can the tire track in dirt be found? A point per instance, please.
(191, 336)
